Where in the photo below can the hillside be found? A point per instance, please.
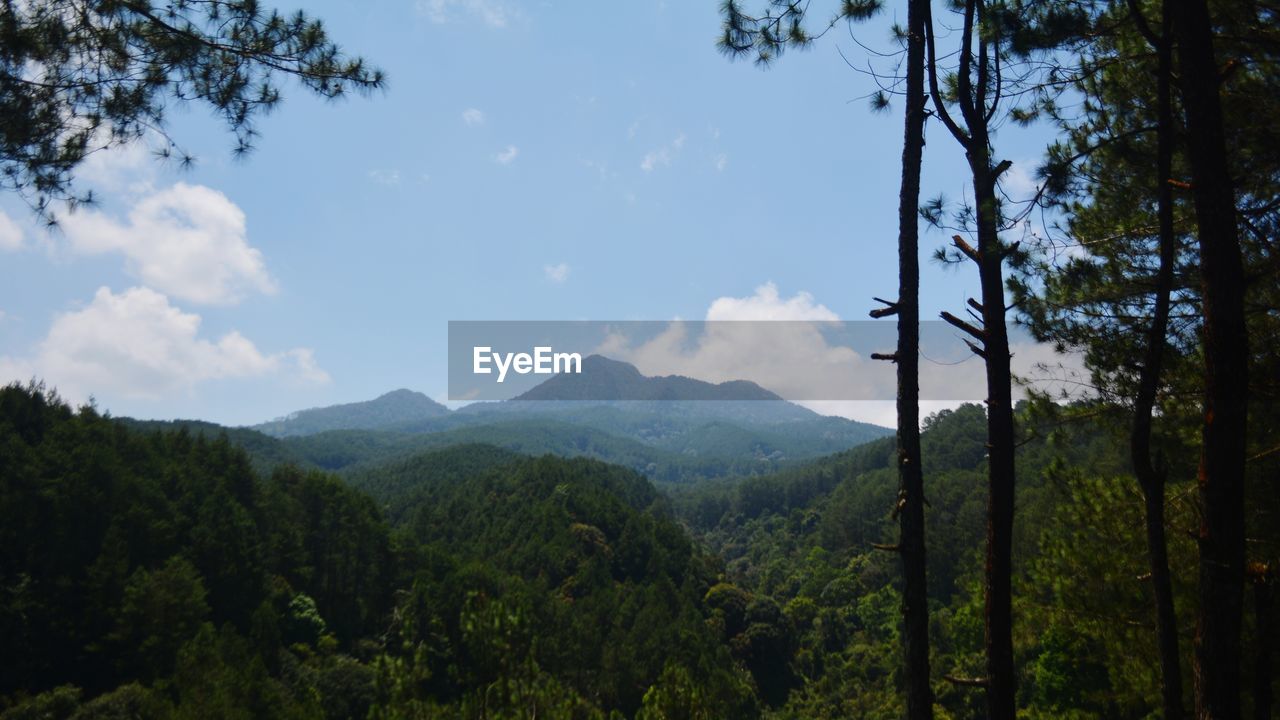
(733, 428)
(351, 451)
(806, 538)
(605, 379)
(152, 570)
(394, 408)
(155, 574)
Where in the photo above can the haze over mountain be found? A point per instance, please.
(385, 411)
(605, 379)
(673, 429)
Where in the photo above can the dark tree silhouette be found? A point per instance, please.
(77, 76)
(768, 36)
(1226, 371)
(978, 94)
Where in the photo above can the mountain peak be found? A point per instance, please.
(603, 378)
(383, 412)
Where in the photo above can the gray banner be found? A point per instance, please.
(706, 360)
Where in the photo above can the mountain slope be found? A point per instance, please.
(555, 568)
(394, 408)
(352, 451)
(605, 379)
(681, 430)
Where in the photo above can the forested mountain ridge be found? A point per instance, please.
(670, 441)
(156, 574)
(607, 392)
(385, 411)
(685, 430)
(602, 378)
(708, 451)
(154, 571)
(681, 425)
(818, 541)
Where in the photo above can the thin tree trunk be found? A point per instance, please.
(973, 82)
(1264, 613)
(1002, 684)
(1150, 477)
(1221, 477)
(915, 593)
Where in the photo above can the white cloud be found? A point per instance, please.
(877, 412)
(506, 156)
(767, 353)
(188, 241)
(490, 12)
(385, 177)
(304, 360)
(1037, 366)
(136, 345)
(801, 351)
(722, 161)
(557, 273)
(10, 233)
(129, 168)
(791, 355)
(767, 304)
(662, 156)
(472, 116)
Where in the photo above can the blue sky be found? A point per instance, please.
(545, 161)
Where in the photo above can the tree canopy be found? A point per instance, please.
(80, 76)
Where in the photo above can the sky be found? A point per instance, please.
(527, 161)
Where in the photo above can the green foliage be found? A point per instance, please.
(156, 574)
(159, 611)
(780, 26)
(584, 552)
(78, 77)
(123, 551)
(802, 539)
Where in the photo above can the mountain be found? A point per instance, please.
(699, 428)
(149, 571)
(672, 429)
(394, 408)
(678, 414)
(355, 452)
(605, 379)
(267, 452)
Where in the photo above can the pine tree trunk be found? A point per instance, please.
(972, 85)
(1002, 684)
(915, 594)
(1221, 477)
(1151, 478)
(1264, 613)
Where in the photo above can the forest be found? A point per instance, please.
(156, 572)
(1111, 553)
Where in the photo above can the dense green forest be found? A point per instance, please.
(670, 442)
(156, 573)
(1110, 553)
